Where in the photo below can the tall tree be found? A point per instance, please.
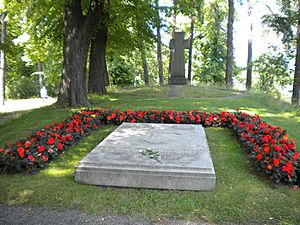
(175, 11)
(229, 56)
(3, 59)
(98, 75)
(191, 49)
(40, 74)
(144, 62)
(159, 55)
(296, 83)
(284, 24)
(77, 35)
(249, 57)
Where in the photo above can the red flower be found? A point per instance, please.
(259, 157)
(19, 144)
(50, 141)
(108, 117)
(267, 138)
(276, 162)
(140, 114)
(21, 152)
(1, 150)
(31, 158)
(266, 149)
(60, 146)
(45, 158)
(267, 131)
(69, 137)
(41, 149)
(277, 148)
(296, 156)
(133, 121)
(27, 144)
(270, 167)
(152, 116)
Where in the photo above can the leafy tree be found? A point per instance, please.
(249, 56)
(273, 71)
(159, 51)
(284, 23)
(210, 42)
(78, 28)
(229, 55)
(3, 58)
(98, 75)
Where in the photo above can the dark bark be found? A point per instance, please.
(98, 75)
(191, 50)
(3, 59)
(159, 55)
(249, 59)
(229, 58)
(77, 35)
(296, 83)
(173, 32)
(145, 64)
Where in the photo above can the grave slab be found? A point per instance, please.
(180, 158)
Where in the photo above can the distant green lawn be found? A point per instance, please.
(242, 195)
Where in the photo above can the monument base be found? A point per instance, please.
(178, 81)
(145, 155)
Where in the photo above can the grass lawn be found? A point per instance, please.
(242, 195)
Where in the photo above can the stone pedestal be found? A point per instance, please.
(125, 158)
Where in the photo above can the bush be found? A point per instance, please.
(120, 72)
(23, 87)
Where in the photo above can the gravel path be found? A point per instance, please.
(25, 104)
(24, 215)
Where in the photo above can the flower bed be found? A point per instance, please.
(270, 147)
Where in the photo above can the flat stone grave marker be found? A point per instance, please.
(151, 155)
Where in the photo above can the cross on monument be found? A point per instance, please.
(178, 44)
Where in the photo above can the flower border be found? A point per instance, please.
(270, 147)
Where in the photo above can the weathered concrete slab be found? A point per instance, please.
(183, 159)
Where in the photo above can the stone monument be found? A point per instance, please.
(149, 155)
(177, 70)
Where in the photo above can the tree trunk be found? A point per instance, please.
(296, 83)
(229, 58)
(98, 75)
(191, 50)
(159, 56)
(145, 64)
(173, 33)
(249, 59)
(77, 35)
(41, 76)
(3, 59)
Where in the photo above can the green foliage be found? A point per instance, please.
(284, 24)
(120, 71)
(273, 71)
(210, 41)
(23, 87)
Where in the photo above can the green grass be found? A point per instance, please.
(241, 196)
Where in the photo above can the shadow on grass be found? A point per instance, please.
(240, 196)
